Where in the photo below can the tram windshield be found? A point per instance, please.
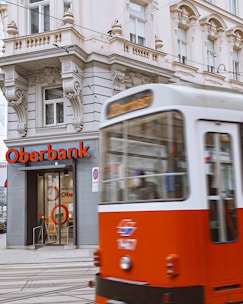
(144, 159)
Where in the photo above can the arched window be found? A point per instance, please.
(183, 18)
(213, 28)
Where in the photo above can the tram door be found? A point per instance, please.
(55, 206)
(220, 162)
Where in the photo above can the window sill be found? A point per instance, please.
(51, 129)
(213, 78)
(233, 81)
(184, 69)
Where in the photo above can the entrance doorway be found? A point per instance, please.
(220, 145)
(55, 207)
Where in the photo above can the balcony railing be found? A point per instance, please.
(123, 47)
(37, 42)
(142, 52)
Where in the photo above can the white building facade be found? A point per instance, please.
(61, 60)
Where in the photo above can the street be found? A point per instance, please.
(46, 275)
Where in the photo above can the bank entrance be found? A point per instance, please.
(55, 210)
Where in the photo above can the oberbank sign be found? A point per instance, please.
(22, 156)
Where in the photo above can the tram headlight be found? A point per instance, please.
(125, 263)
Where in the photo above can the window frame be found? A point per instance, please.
(236, 65)
(53, 102)
(43, 21)
(67, 3)
(134, 146)
(182, 45)
(134, 19)
(211, 55)
(233, 7)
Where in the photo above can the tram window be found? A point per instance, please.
(113, 168)
(220, 187)
(145, 159)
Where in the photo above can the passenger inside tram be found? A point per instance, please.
(141, 189)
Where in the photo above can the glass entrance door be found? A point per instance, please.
(55, 206)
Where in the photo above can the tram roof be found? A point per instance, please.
(183, 95)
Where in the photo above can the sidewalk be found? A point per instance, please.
(41, 254)
(50, 274)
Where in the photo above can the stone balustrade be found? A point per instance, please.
(36, 42)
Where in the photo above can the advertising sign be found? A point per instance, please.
(3, 174)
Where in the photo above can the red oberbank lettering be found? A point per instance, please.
(22, 156)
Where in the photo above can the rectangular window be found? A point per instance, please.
(54, 106)
(182, 45)
(232, 6)
(236, 65)
(39, 16)
(137, 23)
(211, 56)
(67, 5)
(221, 187)
(145, 159)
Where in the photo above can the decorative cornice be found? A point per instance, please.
(214, 25)
(50, 75)
(235, 37)
(127, 79)
(185, 13)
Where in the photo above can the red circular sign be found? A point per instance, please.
(95, 174)
(63, 217)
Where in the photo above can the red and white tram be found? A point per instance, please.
(171, 208)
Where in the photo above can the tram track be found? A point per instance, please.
(49, 282)
(54, 296)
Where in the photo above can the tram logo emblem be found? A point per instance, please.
(126, 227)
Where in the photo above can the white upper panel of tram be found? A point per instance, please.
(169, 96)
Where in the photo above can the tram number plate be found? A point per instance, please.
(128, 244)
